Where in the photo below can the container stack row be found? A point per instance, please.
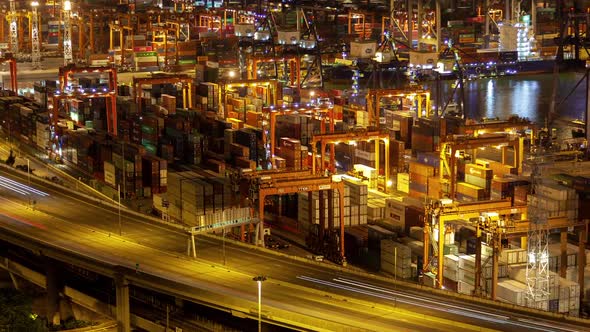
(295, 126)
(293, 152)
(191, 195)
(396, 259)
(555, 200)
(303, 212)
(423, 175)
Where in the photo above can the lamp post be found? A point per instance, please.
(29, 170)
(259, 280)
(119, 192)
(223, 243)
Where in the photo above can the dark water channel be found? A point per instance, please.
(523, 95)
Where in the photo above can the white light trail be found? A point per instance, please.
(9, 183)
(429, 303)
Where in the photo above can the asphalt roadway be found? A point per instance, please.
(317, 295)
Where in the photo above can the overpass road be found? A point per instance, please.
(298, 293)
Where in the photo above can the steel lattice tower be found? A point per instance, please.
(35, 43)
(537, 271)
(13, 28)
(67, 41)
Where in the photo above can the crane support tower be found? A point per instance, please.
(67, 39)
(13, 28)
(35, 42)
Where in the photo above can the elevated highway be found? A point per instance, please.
(298, 294)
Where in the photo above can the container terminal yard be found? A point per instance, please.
(303, 129)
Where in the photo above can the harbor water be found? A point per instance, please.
(527, 96)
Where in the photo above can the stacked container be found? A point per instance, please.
(358, 201)
(396, 259)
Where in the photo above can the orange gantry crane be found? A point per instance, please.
(66, 91)
(186, 81)
(350, 138)
(450, 148)
(512, 224)
(291, 63)
(417, 96)
(327, 240)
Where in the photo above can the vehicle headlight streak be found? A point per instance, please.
(416, 300)
(19, 187)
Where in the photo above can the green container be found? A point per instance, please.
(148, 129)
(145, 54)
(150, 148)
(187, 62)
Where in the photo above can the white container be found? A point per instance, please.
(363, 49)
(450, 273)
(244, 30)
(512, 291)
(464, 288)
(423, 58)
(307, 44)
(288, 37)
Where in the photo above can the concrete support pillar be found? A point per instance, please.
(123, 314)
(52, 285)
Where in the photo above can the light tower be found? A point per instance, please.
(68, 54)
(35, 46)
(13, 28)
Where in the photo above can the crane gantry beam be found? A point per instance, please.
(360, 135)
(451, 145)
(322, 114)
(374, 97)
(110, 93)
(309, 184)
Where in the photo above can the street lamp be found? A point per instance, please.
(223, 243)
(259, 280)
(29, 170)
(119, 194)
